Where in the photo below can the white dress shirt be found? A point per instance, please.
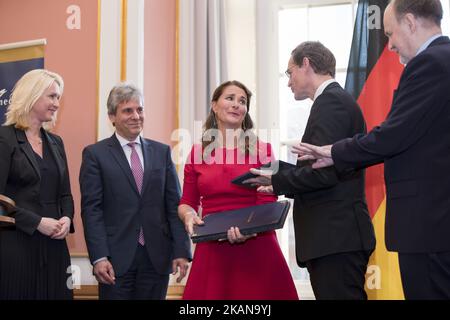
(322, 87)
(428, 42)
(127, 149)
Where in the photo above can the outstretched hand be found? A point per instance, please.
(264, 178)
(322, 154)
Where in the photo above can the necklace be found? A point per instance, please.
(37, 141)
(34, 140)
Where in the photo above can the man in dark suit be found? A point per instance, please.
(414, 144)
(334, 235)
(129, 197)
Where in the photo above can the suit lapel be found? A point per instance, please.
(117, 152)
(147, 152)
(27, 150)
(56, 155)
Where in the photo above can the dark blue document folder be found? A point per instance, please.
(249, 220)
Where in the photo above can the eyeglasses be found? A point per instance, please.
(288, 72)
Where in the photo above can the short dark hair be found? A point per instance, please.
(428, 9)
(320, 57)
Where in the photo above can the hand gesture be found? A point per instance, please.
(264, 178)
(322, 155)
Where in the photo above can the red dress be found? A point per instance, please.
(255, 269)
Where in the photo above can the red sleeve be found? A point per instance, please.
(191, 195)
(265, 155)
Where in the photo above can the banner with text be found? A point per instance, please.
(14, 63)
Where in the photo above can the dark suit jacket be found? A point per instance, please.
(414, 143)
(20, 177)
(330, 211)
(113, 210)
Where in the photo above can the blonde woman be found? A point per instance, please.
(33, 171)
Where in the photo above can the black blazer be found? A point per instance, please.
(414, 144)
(20, 177)
(330, 210)
(113, 210)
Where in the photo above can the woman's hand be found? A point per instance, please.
(49, 226)
(235, 236)
(65, 228)
(191, 218)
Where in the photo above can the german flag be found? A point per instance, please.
(373, 75)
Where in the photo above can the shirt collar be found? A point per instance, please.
(428, 42)
(322, 87)
(123, 142)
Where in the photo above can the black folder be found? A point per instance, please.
(276, 165)
(249, 220)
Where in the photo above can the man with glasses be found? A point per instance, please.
(414, 144)
(334, 235)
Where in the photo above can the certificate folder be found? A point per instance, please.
(249, 220)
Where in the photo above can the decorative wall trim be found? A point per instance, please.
(124, 42)
(90, 292)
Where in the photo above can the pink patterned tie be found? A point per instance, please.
(138, 174)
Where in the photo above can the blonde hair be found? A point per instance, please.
(26, 92)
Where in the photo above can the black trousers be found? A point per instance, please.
(339, 276)
(140, 282)
(425, 276)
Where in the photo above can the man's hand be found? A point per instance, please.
(180, 265)
(104, 272)
(264, 178)
(322, 155)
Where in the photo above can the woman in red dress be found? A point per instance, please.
(244, 267)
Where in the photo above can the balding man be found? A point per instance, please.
(414, 144)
